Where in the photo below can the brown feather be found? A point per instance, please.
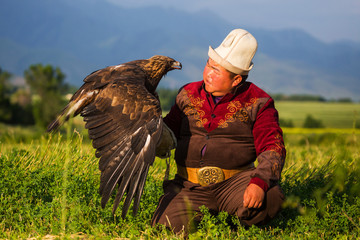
(123, 116)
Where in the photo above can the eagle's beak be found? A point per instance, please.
(176, 65)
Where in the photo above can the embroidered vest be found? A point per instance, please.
(225, 128)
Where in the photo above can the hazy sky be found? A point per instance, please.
(327, 20)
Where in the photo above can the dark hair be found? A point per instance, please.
(244, 77)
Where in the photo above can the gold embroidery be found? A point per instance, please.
(193, 108)
(237, 111)
(279, 146)
(276, 169)
(278, 150)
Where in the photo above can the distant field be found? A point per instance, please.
(333, 115)
(336, 117)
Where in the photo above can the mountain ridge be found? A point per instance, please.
(82, 36)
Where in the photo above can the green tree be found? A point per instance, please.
(286, 123)
(311, 122)
(21, 106)
(167, 98)
(5, 88)
(46, 84)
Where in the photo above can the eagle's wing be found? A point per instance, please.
(125, 124)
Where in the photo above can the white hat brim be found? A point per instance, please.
(217, 58)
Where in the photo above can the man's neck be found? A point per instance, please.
(216, 99)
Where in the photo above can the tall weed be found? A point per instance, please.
(50, 188)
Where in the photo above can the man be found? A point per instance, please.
(222, 125)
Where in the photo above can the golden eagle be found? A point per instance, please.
(123, 116)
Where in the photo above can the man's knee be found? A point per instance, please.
(175, 212)
(269, 209)
(177, 223)
(274, 200)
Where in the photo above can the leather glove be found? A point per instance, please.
(166, 143)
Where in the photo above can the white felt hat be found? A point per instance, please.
(236, 52)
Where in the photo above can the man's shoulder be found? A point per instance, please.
(192, 87)
(252, 90)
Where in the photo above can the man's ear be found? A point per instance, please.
(237, 80)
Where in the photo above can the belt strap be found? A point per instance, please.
(209, 175)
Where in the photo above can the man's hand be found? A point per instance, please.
(253, 196)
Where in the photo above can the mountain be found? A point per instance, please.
(80, 36)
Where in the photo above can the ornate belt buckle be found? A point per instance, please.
(210, 175)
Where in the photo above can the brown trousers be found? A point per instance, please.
(178, 208)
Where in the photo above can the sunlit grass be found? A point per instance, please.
(50, 186)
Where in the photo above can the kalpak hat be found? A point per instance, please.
(236, 52)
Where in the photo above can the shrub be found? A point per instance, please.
(311, 122)
(286, 123)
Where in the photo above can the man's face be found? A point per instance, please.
(218, 80)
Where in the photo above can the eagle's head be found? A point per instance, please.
(163, 64)
(157, 66)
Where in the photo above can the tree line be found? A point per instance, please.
(45, 94)
(307, 97)
(36, 103)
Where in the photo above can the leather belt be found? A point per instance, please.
(206, 176)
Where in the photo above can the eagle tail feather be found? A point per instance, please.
(107, 188)
(134, 184)
(140, 189)
(106, 157)
(124, 186)
(123, 168)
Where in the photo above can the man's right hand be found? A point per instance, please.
(253, 196)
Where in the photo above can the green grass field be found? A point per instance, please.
(49, 190)
(333, 115)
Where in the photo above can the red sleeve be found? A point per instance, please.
(261, 183)
(269, 145)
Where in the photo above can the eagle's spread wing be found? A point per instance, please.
(123, 116)
(125, 125)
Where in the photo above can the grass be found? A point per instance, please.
(49, 188)
(333, 115)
